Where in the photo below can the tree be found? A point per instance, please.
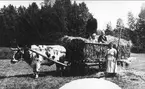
(49, 2)
(131, 21)
(142, 12)
(43, 26)
(78, 18)
(140, 33)
(140, 29)
(121, 31)
(119, 23)
(9, 20)
(119, 27)
(109, 30)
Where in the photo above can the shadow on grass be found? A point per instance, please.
(86, 72)
(56, 74)
(2, 77)
(19, 76)
(41, 74)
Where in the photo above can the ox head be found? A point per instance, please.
(18, 55)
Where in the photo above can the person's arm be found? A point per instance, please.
(115, 54)
(99, 39)
(105, 38)
(106, 54)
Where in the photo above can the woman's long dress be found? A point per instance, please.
(111, 61)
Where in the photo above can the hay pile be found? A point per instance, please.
(95, 52)
(74, 47)
(80, 50)
(75, 54)
(124, 46)
(123, 49)
(114, 40)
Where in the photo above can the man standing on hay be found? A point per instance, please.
(111, 61)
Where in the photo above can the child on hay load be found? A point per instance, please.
(102, 38)
(111, 60)
(93, 38)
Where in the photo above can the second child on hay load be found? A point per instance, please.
(111, 60)
(102, 38)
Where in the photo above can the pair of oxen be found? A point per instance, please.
(52, 52)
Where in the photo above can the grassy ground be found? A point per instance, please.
(19, 76)
(138, 64)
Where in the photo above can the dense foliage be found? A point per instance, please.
(137, 25)
(34, 25)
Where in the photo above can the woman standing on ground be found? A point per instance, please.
(111, 60)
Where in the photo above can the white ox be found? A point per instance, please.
(53, 52)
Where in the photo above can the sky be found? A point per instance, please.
(104, 11)
(110, 11)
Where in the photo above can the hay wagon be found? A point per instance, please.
(82, 53)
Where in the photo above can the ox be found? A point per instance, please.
(53, 52)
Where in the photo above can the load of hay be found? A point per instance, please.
(83, 50)
(97, 51)
(123, 47)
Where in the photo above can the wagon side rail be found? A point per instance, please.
(95, 51)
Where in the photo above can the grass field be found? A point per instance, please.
(139, 64)
(19, 76)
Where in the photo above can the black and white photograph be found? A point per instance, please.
(72, 44)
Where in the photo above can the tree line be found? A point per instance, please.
(134, 32)
(44, 25)
(34, 25)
